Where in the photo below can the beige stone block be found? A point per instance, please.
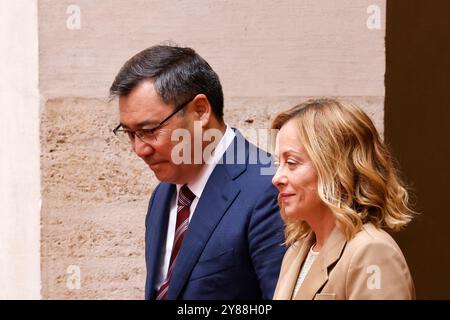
(258, 47)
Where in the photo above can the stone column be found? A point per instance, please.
(19, 151)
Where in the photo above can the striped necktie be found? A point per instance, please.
(185, 198)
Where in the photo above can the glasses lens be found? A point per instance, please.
(146, 136)
(125, 136)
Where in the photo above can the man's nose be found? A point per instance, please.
(141, 148)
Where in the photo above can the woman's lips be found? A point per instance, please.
(285, 196)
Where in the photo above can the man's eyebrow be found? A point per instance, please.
(142, 124)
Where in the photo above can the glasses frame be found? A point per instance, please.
(141, 132)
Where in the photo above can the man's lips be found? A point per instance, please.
(151, 164)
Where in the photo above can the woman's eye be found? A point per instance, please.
(291, 162)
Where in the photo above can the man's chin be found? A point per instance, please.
(163, 172)
(156, 166)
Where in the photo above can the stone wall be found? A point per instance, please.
(269, 55)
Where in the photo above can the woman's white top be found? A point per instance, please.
(312, 255)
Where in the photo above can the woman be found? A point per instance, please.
(339, 192)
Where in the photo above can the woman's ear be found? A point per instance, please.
(202, 109)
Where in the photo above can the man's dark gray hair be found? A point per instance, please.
(178, 74)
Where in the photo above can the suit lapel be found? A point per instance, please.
(288, 280)
(159, 219)
(318, 274)
(219, 193)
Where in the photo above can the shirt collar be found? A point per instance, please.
(199, 183)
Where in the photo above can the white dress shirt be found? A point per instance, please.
(196, 187)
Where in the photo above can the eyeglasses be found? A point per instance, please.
(146, 135)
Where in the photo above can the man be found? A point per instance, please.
(213, 229)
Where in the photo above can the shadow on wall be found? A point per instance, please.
(416, 125)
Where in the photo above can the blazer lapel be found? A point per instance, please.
(220, 192)
(288, 279)
(158, 223)
(318, 274)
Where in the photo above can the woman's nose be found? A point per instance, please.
(279, 178)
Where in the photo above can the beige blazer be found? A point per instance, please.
(370, 266)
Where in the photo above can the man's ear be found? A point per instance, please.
(202, 109)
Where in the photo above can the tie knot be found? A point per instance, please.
(185, 197)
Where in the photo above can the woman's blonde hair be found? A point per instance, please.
(357, 179)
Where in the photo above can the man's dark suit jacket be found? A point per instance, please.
(233, 246)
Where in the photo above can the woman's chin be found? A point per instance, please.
(291, 216)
